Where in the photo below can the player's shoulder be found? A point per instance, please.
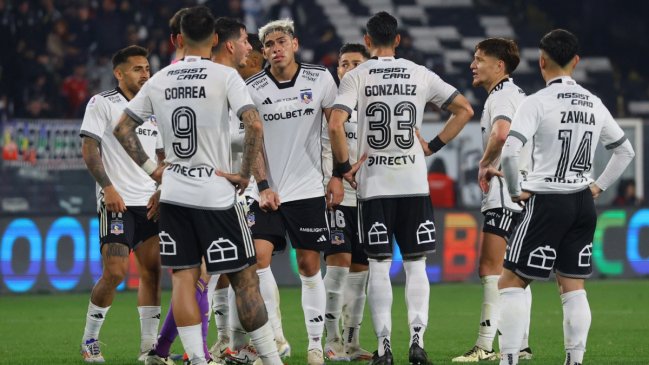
(259, 76)
(310, 72)
(108, 97)
(506, 90)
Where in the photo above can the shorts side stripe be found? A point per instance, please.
(245, 231)
(359, 222)
(519, 244)
(517, 241)
(102, 221)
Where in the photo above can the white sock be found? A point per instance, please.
(334, 281)
(489, 314)
(264, 341)
(269, 290)
(211, 287)
(94, 319)
(417, 298)
(149, 321)
(528, 301)
(576, 323)
(238, 336)
(353, 306)
(192, 339)
(511, 324)
(313, 304)
(221, 312)
(379, 294)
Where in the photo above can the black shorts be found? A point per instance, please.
(222, 237)
(555, 233)
(129, 228)
(304, 221)
(409, 219)
(500, 221)
(343, 223)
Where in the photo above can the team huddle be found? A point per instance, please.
(211, 176)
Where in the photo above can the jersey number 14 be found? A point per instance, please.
(581, 161)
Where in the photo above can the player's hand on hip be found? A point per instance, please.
(485, 174)
(239, 182)
(335, 192)
(157, 173)
(521, 199)
(424, 143)
(269, 200)
(113, 201)
(350, 175)
(153, 207)
(595, 190)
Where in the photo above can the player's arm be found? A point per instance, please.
(125, 134)
(461, 113)
(95, 165)
(252, 143)
(341, 110)
(499, 131)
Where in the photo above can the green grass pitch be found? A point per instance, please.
(46, 329)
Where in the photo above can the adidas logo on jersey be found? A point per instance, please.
(322, 238)
(267, 101)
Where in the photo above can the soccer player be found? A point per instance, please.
(563, 122)
(121, 203)
(292, 98)
(393, 196)
(346, 276)
(198, 215)
(494, 61)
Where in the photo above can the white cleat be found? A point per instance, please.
(335, 351)
(356, 353)
(153, 359)
(476, 354)
(525, 354)
(283, 349)
(218, 349)
(91, 352)
(315, 357)
(245, 355)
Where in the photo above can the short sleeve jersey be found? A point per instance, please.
(351, 126)
(501, 104)
(563, 123)
(237, 134)
(191, 100)
(390, 95)
(292, 115)
(102, 114)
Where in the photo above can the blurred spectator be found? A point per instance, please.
(75, 91)
(110, 28)
(626, 194)
(407, 50)
(442, 187)
(282, 10)
(326, 51)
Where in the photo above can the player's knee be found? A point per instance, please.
(113, 275)
(490, 266)
(151, 275)
(308, 266)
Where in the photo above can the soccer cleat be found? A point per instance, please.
(476, 354)
(245, 355)
(218, 349)
(417, 355)
(335, 351)
(153, 359)
(525, 354)
(386, 359)
(356, 353)
(283, 349)
(91, 352)
(315, 357)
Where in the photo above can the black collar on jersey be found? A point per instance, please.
(284, 85)
(557, 81)
(499, 85)
(121, 92)
(202, 58)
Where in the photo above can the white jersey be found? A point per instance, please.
(237, 134)
(351, 129)
(390, 96)
(292, 115)
(501, 104)
(191, 100)
(563, 123)
(102, 114)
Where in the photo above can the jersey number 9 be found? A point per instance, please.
(183, 123)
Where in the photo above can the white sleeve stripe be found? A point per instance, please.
(616, 144)
(342, 107)
(90, 135)
(502, 117)
(244, 109)
(450, 100)
(134, 116)
(518, 135)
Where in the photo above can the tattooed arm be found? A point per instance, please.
(92, 158)
(252, 144)
(125, 134)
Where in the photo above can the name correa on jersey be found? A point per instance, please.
(501, 104)
(193, 114)
(390, 96)
(563, 122)
(102, 114)
(292, 113)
